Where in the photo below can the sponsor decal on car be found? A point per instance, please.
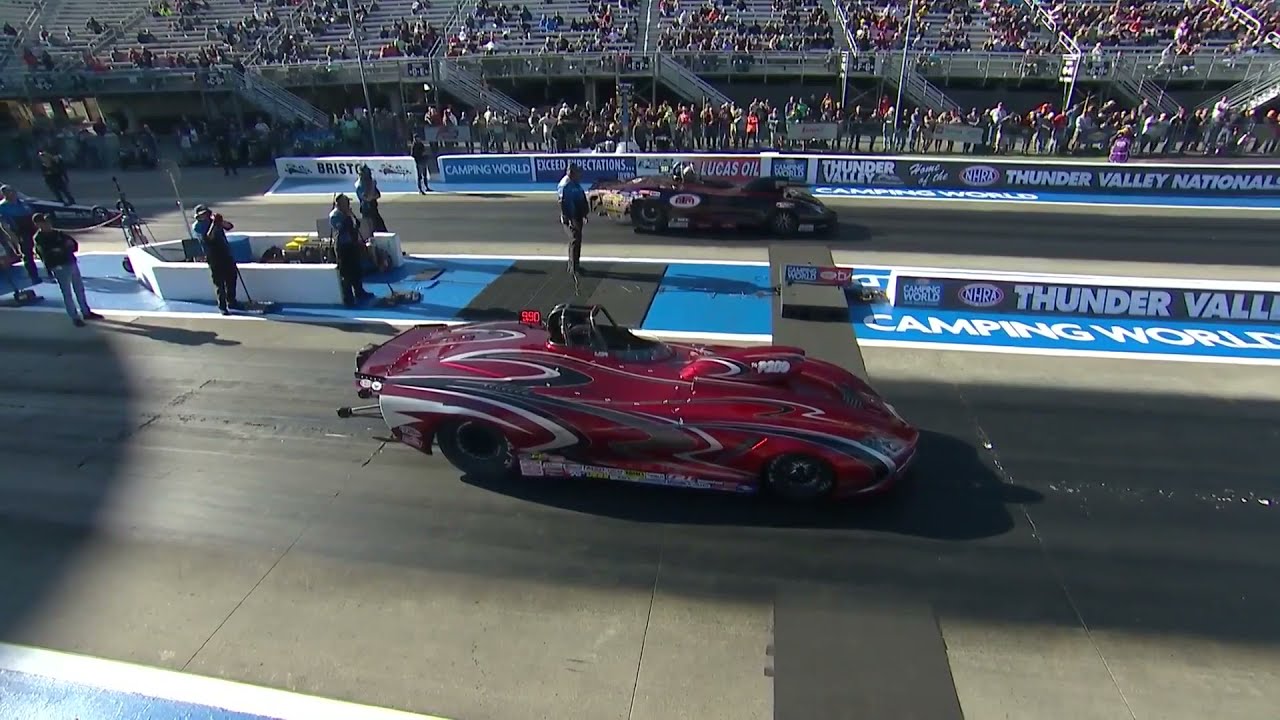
(980, 295)
(685, 200)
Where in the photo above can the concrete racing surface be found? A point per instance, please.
(1086, 539)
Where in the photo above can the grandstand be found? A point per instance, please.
(188, 32)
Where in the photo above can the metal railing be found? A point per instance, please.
(687, 82)
(275, 99)
(937, 67)
(454, 75)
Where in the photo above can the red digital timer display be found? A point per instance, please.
(530, 317)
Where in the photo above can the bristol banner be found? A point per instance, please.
(401, 168)
(1094, 178)
(1047, 298)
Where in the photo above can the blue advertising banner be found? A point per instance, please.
(550, 168)
(495, 169)
(792, 168)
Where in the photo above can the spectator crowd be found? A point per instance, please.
(295, 31)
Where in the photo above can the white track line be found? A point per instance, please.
(181, 687)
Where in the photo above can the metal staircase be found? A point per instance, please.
(1128, 80)
(916, 88)
(113, 35)
(1251, 93)
(1138, 89)
(471, 88)
(686, 82)
(1257, 89)
(273, 99)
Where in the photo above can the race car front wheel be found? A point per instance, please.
(649, 216)
(784, 223)
(799, 478)
(478, 449)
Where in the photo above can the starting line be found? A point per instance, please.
(36, 684)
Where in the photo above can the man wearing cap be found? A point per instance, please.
(574, 209)
(222, 264)
(349, 249)
(17, 225)
(58, 251)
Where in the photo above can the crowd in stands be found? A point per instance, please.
(1086, 128)
(745, 26)
(195, 33)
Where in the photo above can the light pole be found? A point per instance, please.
(364, 84)
(902, 71)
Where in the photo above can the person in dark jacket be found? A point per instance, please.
(55, 176)
(222, 265)
(58, 251)
(349, 248)
(420, 158)
(574, 209)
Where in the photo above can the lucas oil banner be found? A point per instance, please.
(1032, 298)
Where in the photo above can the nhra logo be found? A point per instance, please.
(980, 176)
(981, 295)
(802, 274)
(685, 201)
(922, 292)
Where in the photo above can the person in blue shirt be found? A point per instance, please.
(574, 209)
(348, 246)
(17, 225)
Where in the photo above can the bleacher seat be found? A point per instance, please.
(564, 26)
(745, 26)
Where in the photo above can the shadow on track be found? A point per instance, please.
(951, 495)
(62, 436)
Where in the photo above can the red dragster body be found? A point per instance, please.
(579, 396)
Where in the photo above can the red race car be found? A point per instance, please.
(576, 395)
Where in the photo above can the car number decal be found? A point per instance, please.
(771, 367)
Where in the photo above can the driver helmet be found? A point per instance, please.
(689, 173)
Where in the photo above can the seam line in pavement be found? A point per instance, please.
(1042, 544)
(648, 619)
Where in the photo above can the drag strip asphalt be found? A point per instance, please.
(181, 494)
(871, 232)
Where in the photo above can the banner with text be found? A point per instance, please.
(889, 176)
(1028, 297)
(398, 168)
(1097, 178)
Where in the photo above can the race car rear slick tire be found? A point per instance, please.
(784, 223)
(649, 217)
(478, 449)
(799, 478)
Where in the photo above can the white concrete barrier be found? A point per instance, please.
(284, 283)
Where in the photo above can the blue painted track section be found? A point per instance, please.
(734, 300)
(29, 697)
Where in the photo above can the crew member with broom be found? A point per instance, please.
(222, 264)
(348, 246)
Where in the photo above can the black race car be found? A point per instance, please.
(683, 201)
(74, 217)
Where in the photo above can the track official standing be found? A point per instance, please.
(419, 152)
(58, 251)
(16, 217)
(222, 264)
(349, 249)
(574, 209)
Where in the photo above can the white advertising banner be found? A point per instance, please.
(396, 168)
